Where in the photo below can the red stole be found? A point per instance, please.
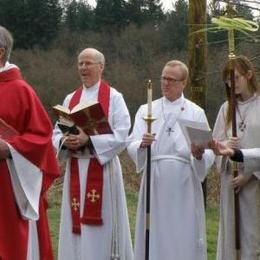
(94, 184)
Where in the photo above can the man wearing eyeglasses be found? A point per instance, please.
(94, 218)
(177, 229)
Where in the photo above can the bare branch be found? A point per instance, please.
(243, 5)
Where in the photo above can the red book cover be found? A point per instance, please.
(90, 117)
(7, 132)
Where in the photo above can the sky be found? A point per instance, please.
(167, 4)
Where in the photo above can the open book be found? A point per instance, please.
(196, 132)
(88, 116)
(7, 132)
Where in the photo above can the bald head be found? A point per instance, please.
(97, 55)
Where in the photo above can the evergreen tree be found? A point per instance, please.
(110, 15)
(134, 12)
(33, 22)
(79, 16)
(153, 12)
(244, 10)
(175, 30)
(143, 12)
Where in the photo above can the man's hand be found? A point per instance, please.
(147, 140)
(220, 149)
(75, 142)
(4, 150)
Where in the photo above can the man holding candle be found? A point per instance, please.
(177, 221)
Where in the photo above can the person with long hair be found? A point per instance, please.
(246, 184)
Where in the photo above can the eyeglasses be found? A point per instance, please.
(88, 63)
(170, 80)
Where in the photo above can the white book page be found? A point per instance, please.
(197, 133)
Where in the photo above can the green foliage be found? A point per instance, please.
(152, 11)
(79, 16)
(110, 15)
(175, 28)
(134, 12)
(34, 23)
(142, 12)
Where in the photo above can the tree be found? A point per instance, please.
(33, 22)
(198, 56)
(198, 51)
(152, 11)
(175, 29)
(110, 15)
(134, 12)
(79, 16)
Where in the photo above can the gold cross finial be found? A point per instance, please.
(93, 196)
(74, 204)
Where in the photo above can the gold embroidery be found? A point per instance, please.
(75, 204)
(93, 196)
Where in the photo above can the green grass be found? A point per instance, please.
(54, 216)
(212, 231)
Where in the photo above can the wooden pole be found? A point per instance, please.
(231, 41)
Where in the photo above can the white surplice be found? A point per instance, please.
(27, 190)
(177, 218)
(252, 161)
(249, 196)
(95, 241)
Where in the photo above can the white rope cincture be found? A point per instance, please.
(60, 147)
(115, 254)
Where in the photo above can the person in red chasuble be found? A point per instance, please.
(27, 164)
(94, 219)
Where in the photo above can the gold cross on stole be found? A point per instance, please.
(75, 204)
(93, 196)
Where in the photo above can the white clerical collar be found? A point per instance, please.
(8, 66)
(176, 102)
(93, 88)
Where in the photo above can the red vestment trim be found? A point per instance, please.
(92, 213)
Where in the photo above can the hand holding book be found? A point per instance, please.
(74, 142)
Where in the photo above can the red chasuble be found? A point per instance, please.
(94, 186)
(21, 108)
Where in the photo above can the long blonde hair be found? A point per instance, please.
(243, 65)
